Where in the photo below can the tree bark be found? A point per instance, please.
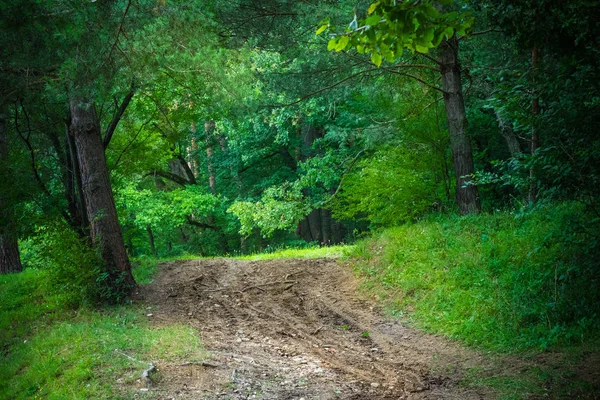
(10, 259)
(209, 127)
(514, 147)
(99, 201)
(467, 196)
(151, 240)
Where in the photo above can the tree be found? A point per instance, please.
(10, 260)
(99, 202)
(389, 28)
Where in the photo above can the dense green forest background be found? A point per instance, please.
(462, 135)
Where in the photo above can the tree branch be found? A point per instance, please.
(170, 176)
(413, 77)
(324, 89)
(200, 224)
(481, 33)
(128, 145)
(117, 117)
(186, 168)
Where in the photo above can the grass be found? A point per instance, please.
(314, 252)
(504, 283)
(273, 253)
(53, 352)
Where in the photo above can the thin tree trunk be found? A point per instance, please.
(314, 219)
(99, 202)
(467, 196)
(326, 226)
(209, 127)
(151, 240)
(10, 259)
(535, 139)
(193, 154)
(75, 174)
(514, 147)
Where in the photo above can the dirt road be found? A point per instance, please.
(295, 329)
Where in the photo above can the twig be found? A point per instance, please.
(267, 284)
(125, 355)
(324, 89)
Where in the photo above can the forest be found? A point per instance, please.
(446, 152)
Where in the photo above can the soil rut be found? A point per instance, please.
(295, 329)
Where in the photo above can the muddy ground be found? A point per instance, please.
(297, 329)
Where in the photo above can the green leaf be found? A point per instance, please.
(372, 7)
(376, 58)
(449, 32)
(342, 43)
(332, 44)
(322, 29)
(421, 49)
(373, 20)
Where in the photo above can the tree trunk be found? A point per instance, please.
(467, 196)
(10, 260)
(326, 226)
(75, 175)
(151, 240)
(514, 147)
(209, 127)
(314, 219)
(99, 202)
(535, 139)
(193, 153)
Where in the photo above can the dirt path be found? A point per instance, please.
(295, 329)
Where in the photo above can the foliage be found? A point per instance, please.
(165, 210)
(389, 188)
(392, 26)
(278, 209)
(73, 268)
(503, 281)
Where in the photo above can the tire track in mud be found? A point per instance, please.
(295, 329)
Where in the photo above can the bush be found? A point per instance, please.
(395, 185)
(74, 269)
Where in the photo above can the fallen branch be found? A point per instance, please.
(146, 375)
(268, 284)
(203, 364)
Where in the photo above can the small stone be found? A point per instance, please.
(238, 340)
(190, 314)
(149, 315)
(374, 385)
(143, 389)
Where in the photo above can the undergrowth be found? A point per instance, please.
(506, 282)
(52, 349)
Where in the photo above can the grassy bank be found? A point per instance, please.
(53, 351)
(505, 282)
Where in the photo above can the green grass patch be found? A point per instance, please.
(144, 269)
(54, 352)
(313, 252)
(274, 253)
(503, 282)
